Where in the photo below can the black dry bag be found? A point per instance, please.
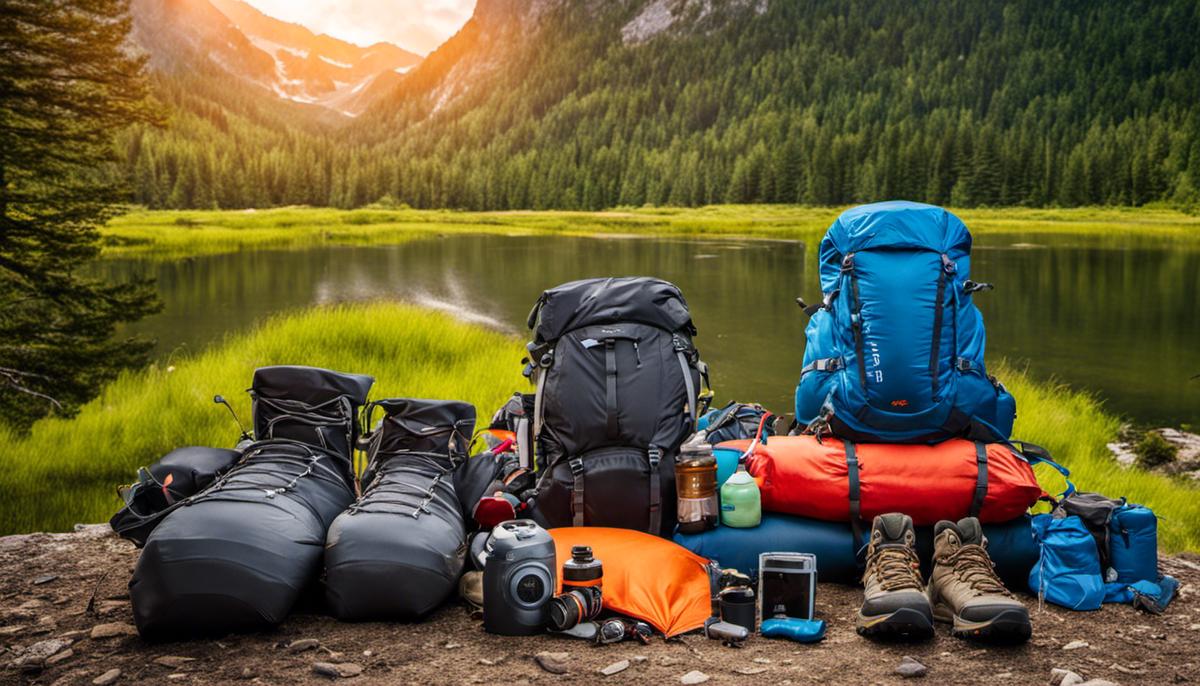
(398, 551)
(237, 556)
(165, 485)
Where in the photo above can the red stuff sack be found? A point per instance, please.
(953, 479)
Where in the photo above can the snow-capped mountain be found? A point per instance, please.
(288, 60)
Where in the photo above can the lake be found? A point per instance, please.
(1120, 320)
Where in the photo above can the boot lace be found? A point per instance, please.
(973, 566)
(896, 568)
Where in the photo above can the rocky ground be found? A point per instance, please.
(65, 619)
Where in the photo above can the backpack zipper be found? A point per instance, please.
(945, 272)
(856, 318)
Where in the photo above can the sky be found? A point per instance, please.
(417, 25)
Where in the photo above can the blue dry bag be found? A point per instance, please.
(894, 351)
(1067, 572)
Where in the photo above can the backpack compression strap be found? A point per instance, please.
(981, 481)
(576, 464)
(655, 525)
(855, 495)
(610, 387)
(691, 389)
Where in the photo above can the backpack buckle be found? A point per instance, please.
(576, 465)
(848, 262)
(964, 365)
(948, 265)
(655, 454)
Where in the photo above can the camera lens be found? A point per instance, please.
(573, 607)
(530, 585)
(565, 611)
(529, 589)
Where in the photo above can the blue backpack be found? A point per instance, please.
(895, 349)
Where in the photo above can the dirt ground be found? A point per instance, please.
(56, 589)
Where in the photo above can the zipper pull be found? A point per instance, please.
(637, 355)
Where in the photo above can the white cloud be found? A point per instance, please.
(418, 25)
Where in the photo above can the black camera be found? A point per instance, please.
(581, 599)
(518, 578)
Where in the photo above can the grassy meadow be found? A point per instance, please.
(66, 470)
(182, 233)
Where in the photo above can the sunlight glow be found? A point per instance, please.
(416, 25)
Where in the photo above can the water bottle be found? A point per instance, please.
(741, 504)
(696, 486)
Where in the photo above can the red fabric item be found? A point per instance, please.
(798, 475)
(645, 577)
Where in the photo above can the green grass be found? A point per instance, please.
(66, 470)
(183, 233)
(1075, 428)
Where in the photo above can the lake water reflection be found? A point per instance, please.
(1124, 323)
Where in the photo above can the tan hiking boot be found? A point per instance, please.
(964, 588)
(894, 600)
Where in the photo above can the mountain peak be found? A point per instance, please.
(289, 61)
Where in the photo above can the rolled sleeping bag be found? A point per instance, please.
(836, 480)
(1010, 545)
(236, 556)
(398, 551)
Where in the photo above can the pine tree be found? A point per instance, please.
(66, 87)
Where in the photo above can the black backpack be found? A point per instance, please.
(618, 389)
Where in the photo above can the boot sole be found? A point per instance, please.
(905, 623)
(1009, 626)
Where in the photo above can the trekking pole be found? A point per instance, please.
(220, 400)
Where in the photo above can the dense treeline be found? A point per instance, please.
(961, 102)
(67, 85)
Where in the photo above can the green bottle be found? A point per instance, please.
(741, 504)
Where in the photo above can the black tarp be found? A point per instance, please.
(397, 553)
(236, 556)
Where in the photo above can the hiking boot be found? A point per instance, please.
(964, 588)
(894, 600)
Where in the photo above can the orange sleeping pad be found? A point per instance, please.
(801, 476)
(645, 577)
